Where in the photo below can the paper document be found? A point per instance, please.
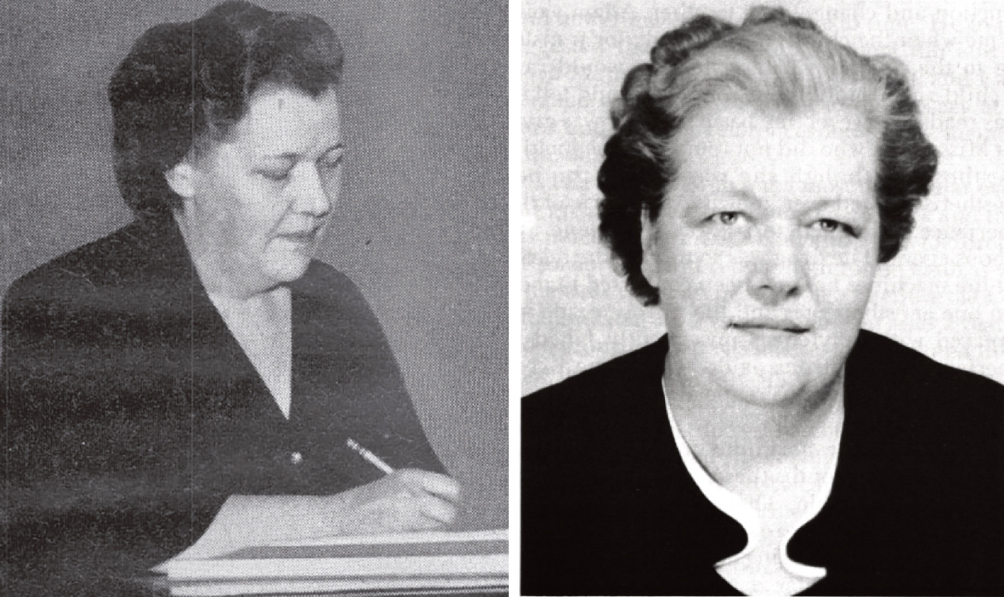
(399, 563)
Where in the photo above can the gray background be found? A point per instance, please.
(421, 224)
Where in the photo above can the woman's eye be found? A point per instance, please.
(727, 218)
(276, 175)
(830, 226)
(331, 162)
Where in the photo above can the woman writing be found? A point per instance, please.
(757, 177)
(198, 366)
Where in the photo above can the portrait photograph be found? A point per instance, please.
(254, 258)
(762, 281)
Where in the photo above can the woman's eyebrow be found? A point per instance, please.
(744, 195)
(698, 205)
(288, 156)
(833, 202)
(294, 156)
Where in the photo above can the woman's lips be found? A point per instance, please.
(771, 326)
(300, 237)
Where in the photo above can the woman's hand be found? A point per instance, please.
(405, 500)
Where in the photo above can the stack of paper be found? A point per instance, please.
(475, 561)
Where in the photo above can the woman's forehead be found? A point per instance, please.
(733, 113)
(284, 120)
(824, 152)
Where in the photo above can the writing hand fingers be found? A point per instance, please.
(438, 510)
(432, 483)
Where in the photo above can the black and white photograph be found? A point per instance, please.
(254, 259)
(762, 281)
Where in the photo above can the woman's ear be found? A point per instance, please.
(181, 179)
(649, 246)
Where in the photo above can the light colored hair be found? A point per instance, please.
(773, 67)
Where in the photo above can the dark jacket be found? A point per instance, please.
(131, 413)
(917, 505)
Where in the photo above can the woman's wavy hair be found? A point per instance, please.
(773, 61)
(184, 85)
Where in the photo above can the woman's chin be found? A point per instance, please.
(773, 382)
(287, 268)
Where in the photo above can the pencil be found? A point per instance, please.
(369, 456)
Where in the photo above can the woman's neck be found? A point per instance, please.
(271, 304)
(222, 278)
(734, 438)
(262, 325)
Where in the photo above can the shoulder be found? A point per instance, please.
(329, 291)
(621, 398)
(646, 360)
(323, 279)
(129, 284)
(113, 261)
(898, 370)
(931, 436)
(600, 386)
(952, 415)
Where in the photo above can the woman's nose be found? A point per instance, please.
(778, 271)
(311, 195)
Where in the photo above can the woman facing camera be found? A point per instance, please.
(198, 366)
(757, 177)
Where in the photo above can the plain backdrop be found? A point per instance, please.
(421, 225)
(943, 295)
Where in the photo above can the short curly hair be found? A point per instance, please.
(772, 61)
(186, 84)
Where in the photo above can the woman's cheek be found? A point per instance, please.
(842, 283)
